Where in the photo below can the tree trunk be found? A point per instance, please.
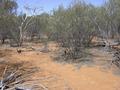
(3, 40)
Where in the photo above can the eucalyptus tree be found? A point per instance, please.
(8, 7)
(114, 10)
(74, 28)
(106, 20)
(7, 11)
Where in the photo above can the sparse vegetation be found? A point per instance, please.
(75, 30)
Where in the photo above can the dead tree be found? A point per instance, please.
(23, 26)
(24, 23)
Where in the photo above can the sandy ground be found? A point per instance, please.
(58, 76)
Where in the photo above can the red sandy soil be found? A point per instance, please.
(57, 76)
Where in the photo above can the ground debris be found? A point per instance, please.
(15, 74)
(116, 56)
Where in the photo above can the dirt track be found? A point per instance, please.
(57, 76)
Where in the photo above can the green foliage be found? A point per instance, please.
(8, 7)
(80, 17)
(7, 12)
